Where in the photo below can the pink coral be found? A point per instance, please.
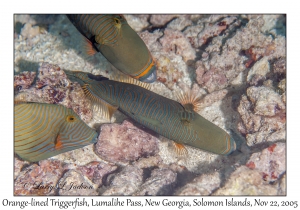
(161, 20)
(161, 182)
(202, 185)
(39, 179)
(270, 162)
(214, 30)
(212, 79)
(263, 115)
(279, 66)
(137, 22)
(126, 182)
(24, 80)
(245, 181)
(125, 142)
(73, 183)
(266, 102)
(174, 41)
(223, 59)
(180, 22)
(96, 171)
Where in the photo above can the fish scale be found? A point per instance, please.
(45, 130)
(167, 117)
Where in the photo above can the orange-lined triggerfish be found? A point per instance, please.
(45, 130)
(118, 42)
(176, 121)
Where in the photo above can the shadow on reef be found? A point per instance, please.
(25, 65)
(280, 26)
(46, 21)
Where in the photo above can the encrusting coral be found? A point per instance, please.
(124, 143)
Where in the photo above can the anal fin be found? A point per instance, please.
(103, 108)
(180, 149)
(100, 106)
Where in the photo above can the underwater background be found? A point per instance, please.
(236, 63)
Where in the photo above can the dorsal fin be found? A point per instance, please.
(105, 109)
(189, 100)
(130, 80)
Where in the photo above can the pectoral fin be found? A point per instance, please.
(88, 47)
(58, 142)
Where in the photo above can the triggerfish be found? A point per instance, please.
(118, 42)
(45, 130)
(176, 121)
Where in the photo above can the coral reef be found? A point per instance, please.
(80, 156)
(221, 64)
(125, 182)
(180, 23)
(148, 162)
(175, 41)
(29, 31)
(97, 171)
(259, 70)
(124, 143)
(266, 102)
(23, 80)
(137, 22)
(245, 181)
(39, 179)
(203, 185)
(275, 166)
(18, 165)
(236, 64)
(263, 115)
(159, 183)
(160, 20)
(214, 30)
(73, 183)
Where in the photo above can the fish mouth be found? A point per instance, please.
(234, 145)
(150, 78)
(95, 138)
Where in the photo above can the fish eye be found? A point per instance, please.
(117, 21)
(70, 118)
